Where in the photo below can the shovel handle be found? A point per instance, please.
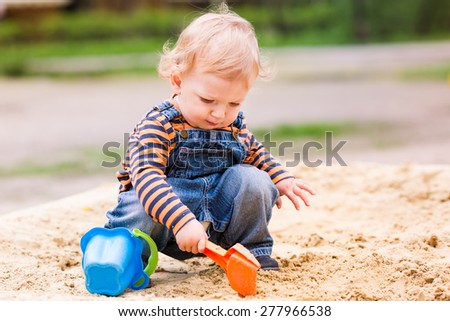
(216, 253)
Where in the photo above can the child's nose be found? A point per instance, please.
(218, 112)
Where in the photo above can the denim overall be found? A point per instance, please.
(206, 171)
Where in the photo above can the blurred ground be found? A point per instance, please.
(46, 121)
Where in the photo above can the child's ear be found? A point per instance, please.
(175, 82)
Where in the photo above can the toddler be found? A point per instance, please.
(193, 171)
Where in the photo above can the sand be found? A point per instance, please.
(374, 232)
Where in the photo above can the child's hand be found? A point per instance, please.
(192, 237)
(292, 188)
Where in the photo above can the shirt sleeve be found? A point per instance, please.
(148, 150)
(258, 156)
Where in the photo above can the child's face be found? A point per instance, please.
(208, 101)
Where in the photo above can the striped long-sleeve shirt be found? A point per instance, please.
(149, 147)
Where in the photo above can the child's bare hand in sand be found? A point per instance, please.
(192, 237)
(294, 188)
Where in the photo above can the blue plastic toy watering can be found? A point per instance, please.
(112, 260)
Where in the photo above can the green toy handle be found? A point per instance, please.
(153, 259)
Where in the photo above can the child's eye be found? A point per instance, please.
(207, 101)
(235, 104)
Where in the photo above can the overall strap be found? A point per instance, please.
(168, 110)
(238, 122)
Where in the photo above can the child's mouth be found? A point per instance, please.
(212, 124)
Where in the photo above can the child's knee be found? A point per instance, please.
(253, 181)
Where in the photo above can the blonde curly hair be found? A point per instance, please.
(219, 42)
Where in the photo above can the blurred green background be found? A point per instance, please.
(30, 34)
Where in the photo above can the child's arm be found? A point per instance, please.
(260, 157)
(286, 184)
(148, 156)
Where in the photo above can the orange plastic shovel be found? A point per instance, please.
(239, 264)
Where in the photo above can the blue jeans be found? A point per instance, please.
(238, 203)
